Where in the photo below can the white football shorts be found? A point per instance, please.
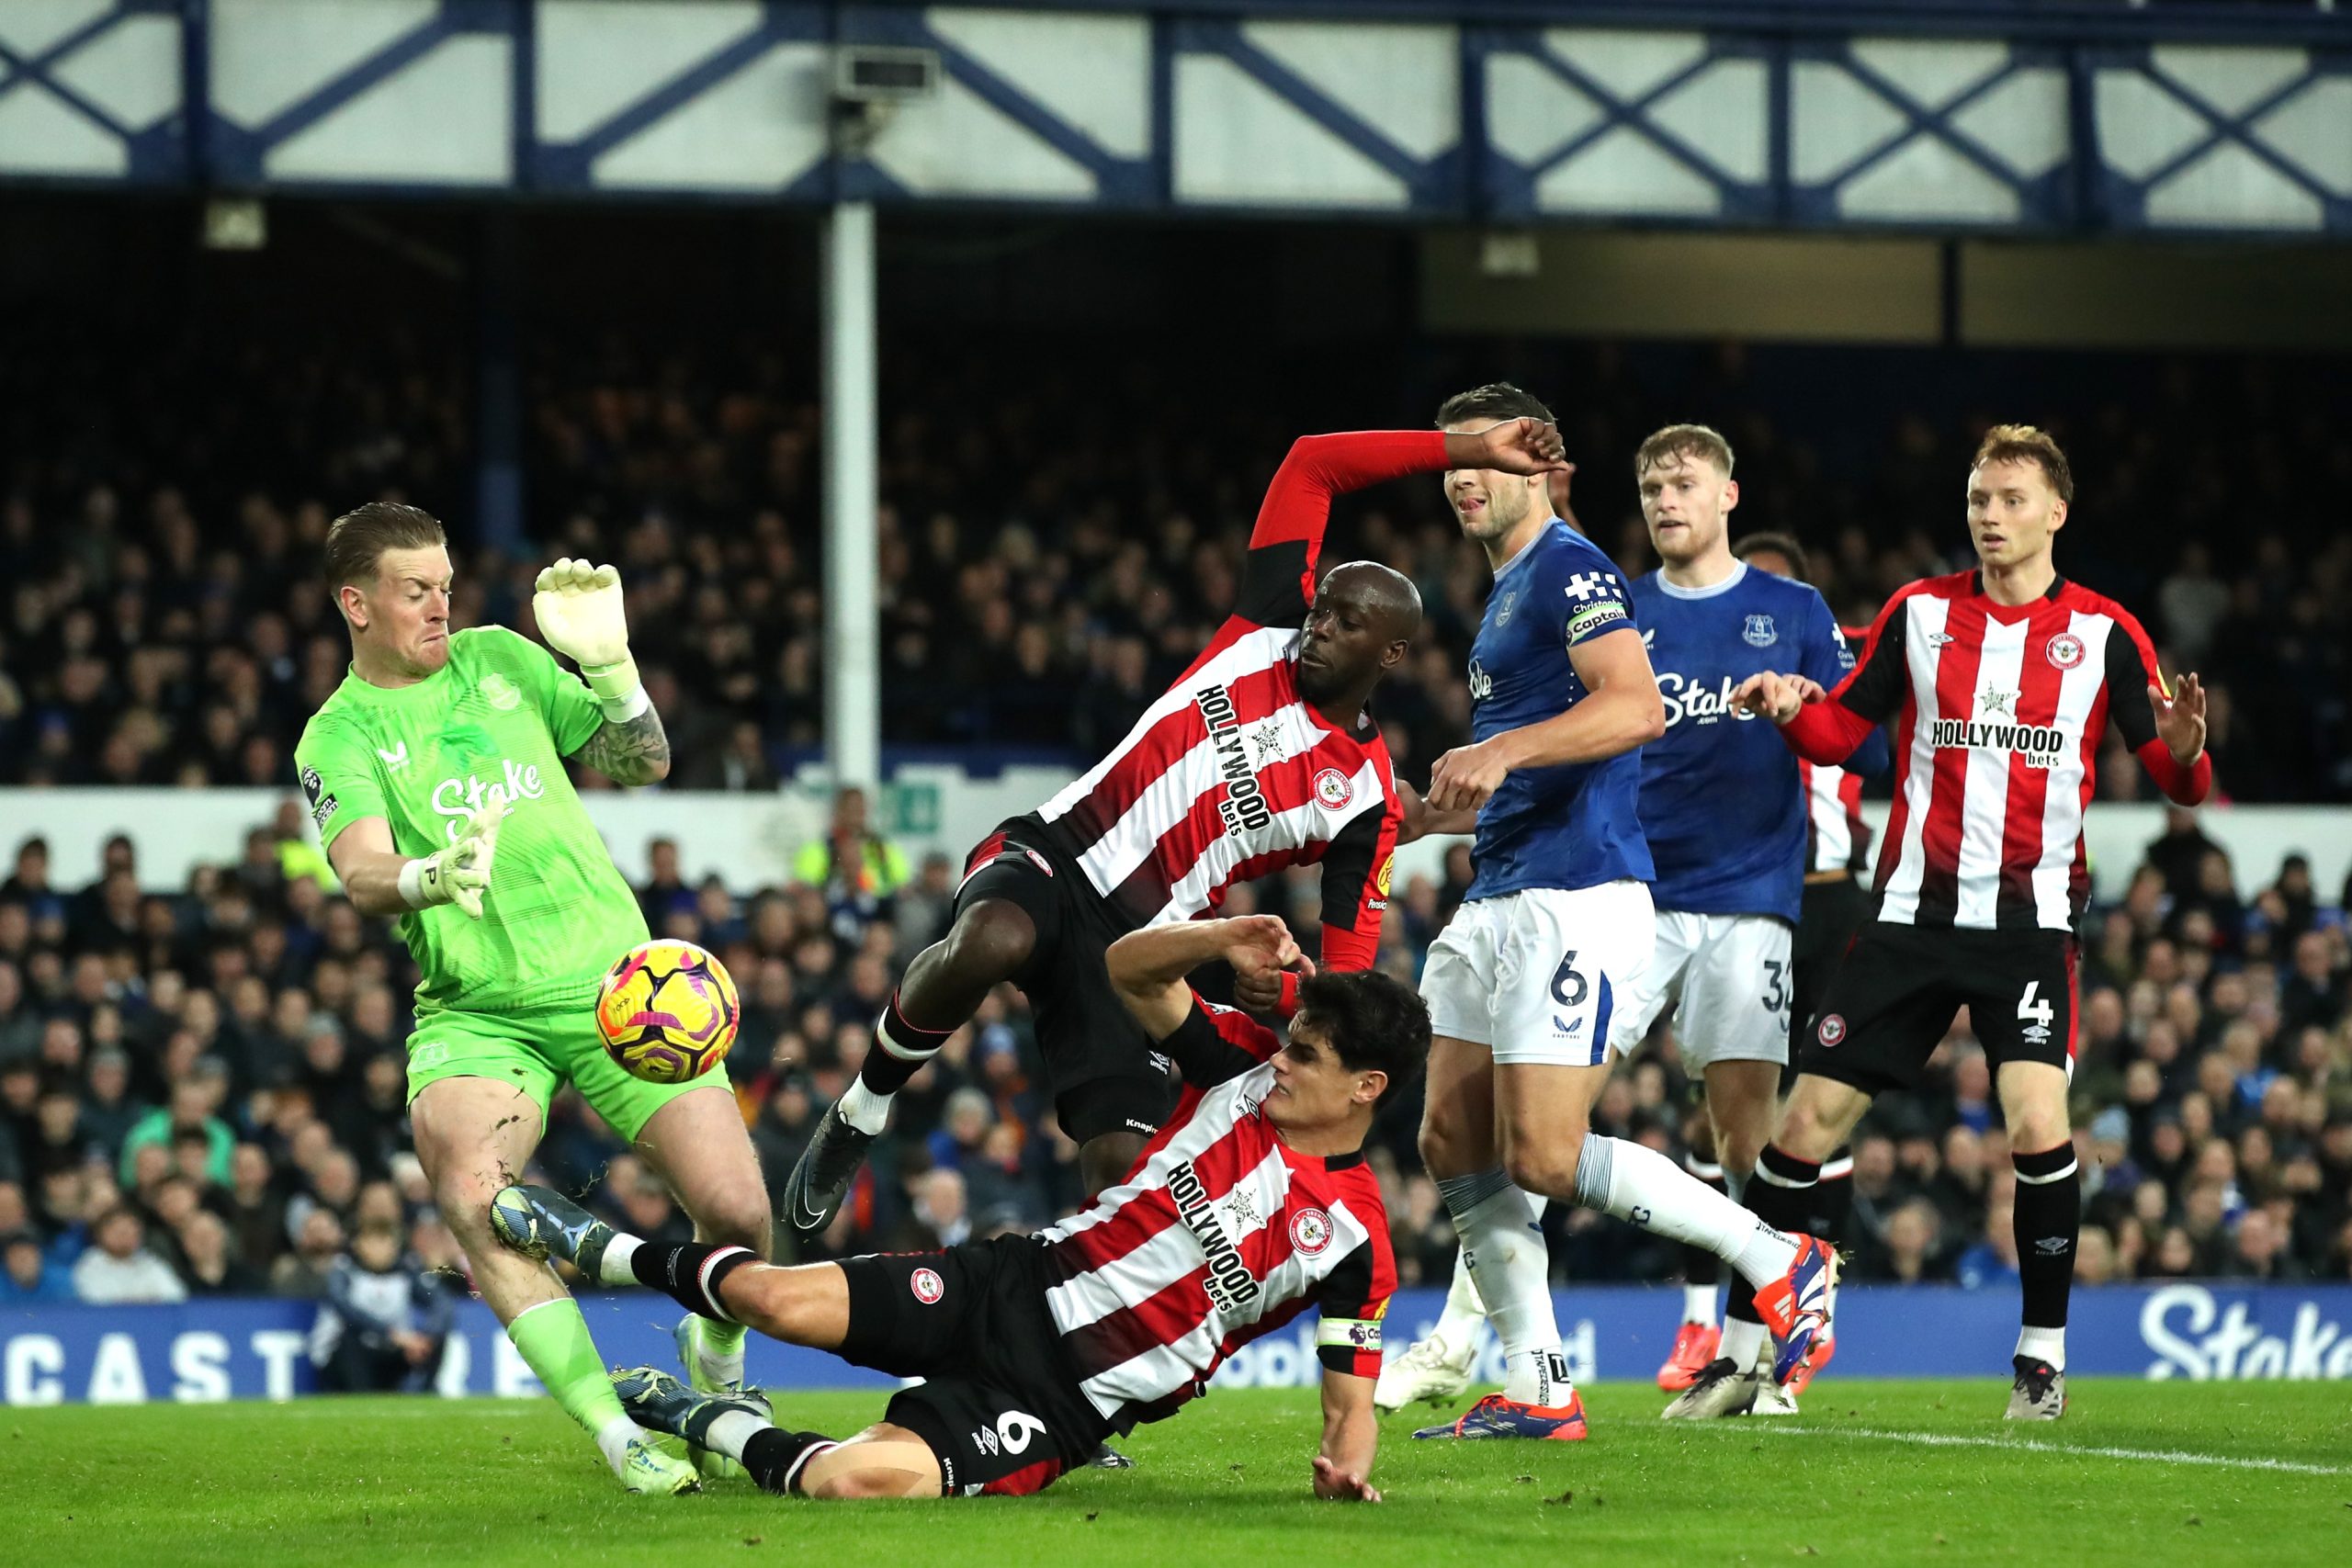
(1536, 975)
(1726, 976)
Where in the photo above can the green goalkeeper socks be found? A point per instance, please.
(553, 1340)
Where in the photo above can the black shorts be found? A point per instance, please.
(1834, 912)
(1002, 1409)
(1101, 1069)
(1893, 997)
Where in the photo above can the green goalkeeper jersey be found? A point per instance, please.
(501, 715)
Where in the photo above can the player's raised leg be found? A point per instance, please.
(473, 1138)
(989, 943)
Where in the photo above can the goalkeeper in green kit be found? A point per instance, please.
(435, 774)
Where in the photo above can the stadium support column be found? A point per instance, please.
(498, 385)
(852, 638)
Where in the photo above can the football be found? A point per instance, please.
(667, 1011)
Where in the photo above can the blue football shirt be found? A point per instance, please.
(1574, 825)
(1722, 805)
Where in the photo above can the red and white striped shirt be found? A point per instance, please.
(1231, 774)
(1998, 711)
(1220, 1235)
(1836, 838)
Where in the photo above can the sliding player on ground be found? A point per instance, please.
(1558, 924)
(1253, 1205)
(436, 773)
(2001, 683)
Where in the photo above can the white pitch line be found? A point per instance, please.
(2164, 1456)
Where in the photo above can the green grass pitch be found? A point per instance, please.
(1874, 1473)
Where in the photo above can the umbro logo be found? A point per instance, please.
(2054, 1246)
(1938, 639)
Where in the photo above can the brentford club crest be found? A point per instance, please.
(926, 1286)
(1833, 1029)
(2064, 651)
(1332, 788)
(1310, 1231)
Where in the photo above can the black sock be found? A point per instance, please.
(1701, 1267)
(690, 1271)
(775, 1456)
(1779, 1193)
(1833, 1197)
(899, 1050)
(2048, 1216)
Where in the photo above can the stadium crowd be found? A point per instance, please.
(1046, 566)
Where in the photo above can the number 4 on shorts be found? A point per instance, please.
(2036, 1012)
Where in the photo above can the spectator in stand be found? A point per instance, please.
(27, 1277)
(209, 1266)
(940, 1214)
(385, 1320)
(856, 868)
(195, 1099)
(301, 1272)
(118, 1269)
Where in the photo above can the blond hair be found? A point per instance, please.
(2027, 444)
(1692, 441)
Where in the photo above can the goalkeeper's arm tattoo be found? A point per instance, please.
(630, 752)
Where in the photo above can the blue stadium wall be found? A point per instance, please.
(1997, 116)
(256, 1349)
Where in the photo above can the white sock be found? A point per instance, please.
(1512, 1267)
(614, 1439)
(2043, 1344)
(613, 1267)
(1457, 1326)
(1744, 1342)
(863, 1108)
(1699, 1305)
(1632, 1182)
(730, 1432)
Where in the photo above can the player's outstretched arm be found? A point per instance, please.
(1351, 1436)
(1623, 711)
(579, 612)
(1148, 967)
(1420, 818)
(379, 880)
(1821, 731)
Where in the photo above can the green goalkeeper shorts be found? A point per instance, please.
(538, 1051)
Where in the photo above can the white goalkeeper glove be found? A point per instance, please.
(579, 611)
(460, 873)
